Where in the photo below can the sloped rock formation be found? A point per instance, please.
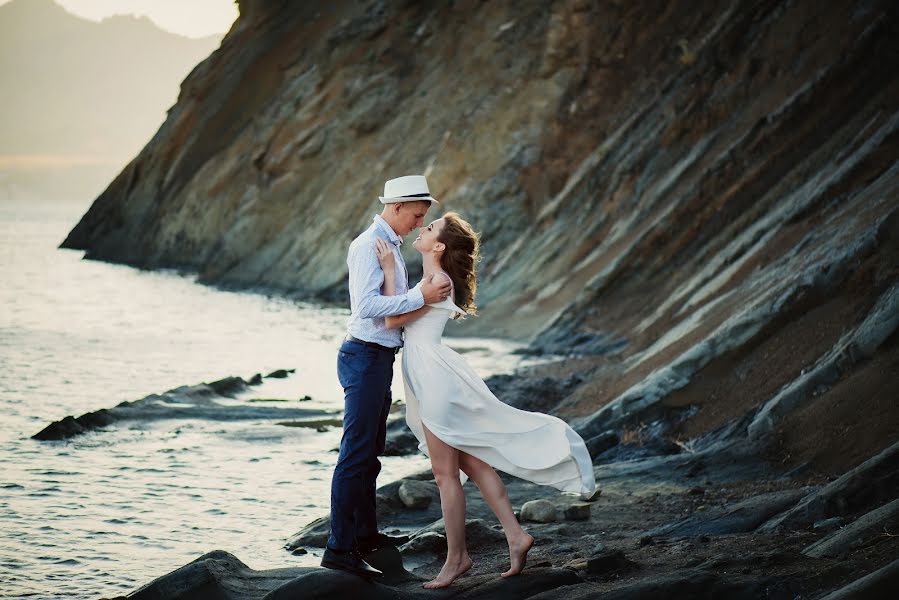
(696, 203)
(685, 192)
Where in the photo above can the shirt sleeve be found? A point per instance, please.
(366, 280)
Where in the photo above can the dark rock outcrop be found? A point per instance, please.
(184, 402)
(879, 585)
(742, 517)
(874, 481)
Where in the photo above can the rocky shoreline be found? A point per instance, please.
(714, 519)
(678, 526)
(694, 206)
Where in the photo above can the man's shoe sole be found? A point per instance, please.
(339, 567)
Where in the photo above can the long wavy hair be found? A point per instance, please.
(460, 259)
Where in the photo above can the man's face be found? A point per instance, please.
(410, 216)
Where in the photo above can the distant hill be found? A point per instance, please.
(74, 87)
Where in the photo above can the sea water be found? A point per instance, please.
(103, 513)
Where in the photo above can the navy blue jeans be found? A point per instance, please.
(365, 374)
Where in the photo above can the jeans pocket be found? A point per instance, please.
(351, 365)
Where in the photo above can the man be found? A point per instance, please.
(365, 370)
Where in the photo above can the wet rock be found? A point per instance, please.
(651, 446)
(828, 523)
(255, 379)
(400, 440)
(694, 584)
(645, 540)
(184, 402)
(598, 444)
(428, 541)
(280, 373)
(609, 562)
(539, 511)
(579, 511)
(743, 516)
(478, 534)
(94, 420)
(871, 483)
(879, 585)
(417, 494)
(314, 534)
(229, 386)
(858, 533)
(534, 581)
(532, 393)
(214, 575)
(60, 430)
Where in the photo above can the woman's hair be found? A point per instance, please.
(460, 259)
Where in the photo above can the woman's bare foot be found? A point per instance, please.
(449, 573)
(518, 554)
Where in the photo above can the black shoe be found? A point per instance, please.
(382, 540)
(351, 562)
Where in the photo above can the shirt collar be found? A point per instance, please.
(391, 234)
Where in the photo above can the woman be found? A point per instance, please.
(459, 423)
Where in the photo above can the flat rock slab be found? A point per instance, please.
(874, 481)
(185, 402)
(742, 517)
(694, 584)
(858, 533)
(219, 575)
(879, 585)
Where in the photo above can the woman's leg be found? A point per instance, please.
(497, 498)
(445, 464)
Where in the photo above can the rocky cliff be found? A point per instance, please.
(697, 203)
(701, 198)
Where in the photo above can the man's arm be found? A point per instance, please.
(366, 279)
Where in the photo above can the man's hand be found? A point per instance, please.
(435, 291)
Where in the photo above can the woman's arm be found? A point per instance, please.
(398, 321)
(385, 257)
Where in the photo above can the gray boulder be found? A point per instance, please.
(539, 511)
(417, 494)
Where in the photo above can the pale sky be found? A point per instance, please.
(192, 18)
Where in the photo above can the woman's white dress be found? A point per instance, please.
(448, 397)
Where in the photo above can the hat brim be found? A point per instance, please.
(407, 199)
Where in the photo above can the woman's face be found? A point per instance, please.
(426, 241)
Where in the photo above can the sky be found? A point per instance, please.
(191, 18)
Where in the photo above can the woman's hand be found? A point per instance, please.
(385, 256)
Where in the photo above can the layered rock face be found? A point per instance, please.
(699, 197)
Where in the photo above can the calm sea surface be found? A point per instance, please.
(104, 513)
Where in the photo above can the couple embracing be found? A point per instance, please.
(460, 425)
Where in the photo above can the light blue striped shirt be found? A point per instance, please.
(368, 306)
